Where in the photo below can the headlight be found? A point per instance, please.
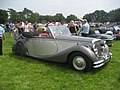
(95, 49)
(103, 43)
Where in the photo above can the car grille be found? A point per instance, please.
(98, 47)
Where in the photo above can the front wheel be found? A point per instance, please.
(80, 62)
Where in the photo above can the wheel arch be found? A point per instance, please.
(85, 51)
(73, 53)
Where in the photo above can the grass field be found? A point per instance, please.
(23, 73)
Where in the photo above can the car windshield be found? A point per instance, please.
(59, 31)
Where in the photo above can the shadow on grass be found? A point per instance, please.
(57, 65)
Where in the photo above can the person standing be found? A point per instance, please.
(80, 24)
(35, 26)
(2, 35)
(20, 28)
(11, 29)
(26, 27)
(15, 33)
(85, 28)
(72, 27)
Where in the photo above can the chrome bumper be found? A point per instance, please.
(102, 60)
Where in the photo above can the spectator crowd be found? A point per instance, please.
(81, 27)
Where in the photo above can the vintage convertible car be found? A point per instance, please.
(57, 44)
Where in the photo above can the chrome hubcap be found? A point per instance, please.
(79, 63)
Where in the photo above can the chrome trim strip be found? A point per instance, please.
(97, 66)
(94, 40)
(98, 62)
(110, 54)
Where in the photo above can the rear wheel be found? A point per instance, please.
(80, 62)
(20, 49)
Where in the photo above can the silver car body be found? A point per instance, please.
(60, 44)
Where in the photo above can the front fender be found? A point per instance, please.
(86, 51)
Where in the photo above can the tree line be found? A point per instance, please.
(12, 15)
(102, 16)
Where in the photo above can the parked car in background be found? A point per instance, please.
(105, 28)
(108, 36)
(57, 44)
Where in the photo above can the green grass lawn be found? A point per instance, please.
(24, 73)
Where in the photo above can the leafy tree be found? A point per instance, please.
(3, 16)
(34, 18)
(59, 17)
(100, 16)
(20, 17)
(27, 13)
(71, 17)
(89, 17)
(13, 15)
(46, 18)
(97, 16)
(114, 15)
(42, 19)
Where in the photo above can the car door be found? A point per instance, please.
(29, 45)
(44, 46)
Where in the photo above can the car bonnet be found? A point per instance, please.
(76, 38)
